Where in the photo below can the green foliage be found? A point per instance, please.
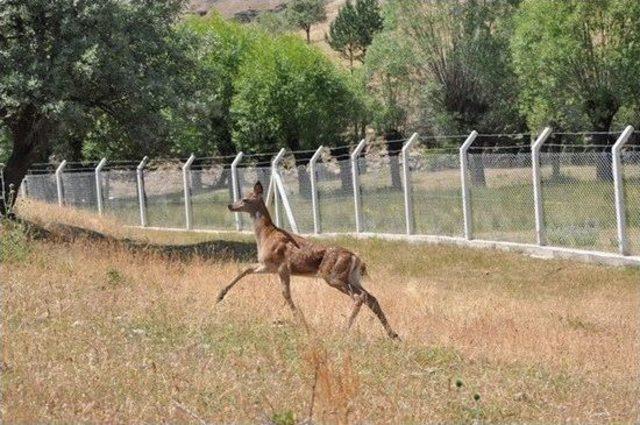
(388, 68)
(203, 124)
(284, 418)
(14, 244)
(461, 62)
(352, 31)
(274, 23)
(577, 60)
(289, 95)
(110, 60)
(304, 13)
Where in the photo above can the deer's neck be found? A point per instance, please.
(262, 224)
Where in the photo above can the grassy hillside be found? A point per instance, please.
(229, 8)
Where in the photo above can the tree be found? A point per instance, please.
(462, 64)
(304, 13)
(353, 30)
(580, 55)
(63, 58)
(388, 68)
(289, 95)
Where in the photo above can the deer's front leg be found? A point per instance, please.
(258, 268)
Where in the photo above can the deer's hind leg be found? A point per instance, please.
(360, 296)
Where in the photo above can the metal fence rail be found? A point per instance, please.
(554, 189)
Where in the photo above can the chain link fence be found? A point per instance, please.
(334, 184)
(436, 190)
(381, 194)
(501, 190)
(631, 182)
(210, 187)
(297, 184)
(120, 194)
(164, 195)
(577, 189)
(578, 194)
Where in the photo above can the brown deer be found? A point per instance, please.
(291, 255)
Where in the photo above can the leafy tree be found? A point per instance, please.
(461, 64)
(577, 58)
(388, 68)
(274, 23)
(204, 125)
(290, 95)
(66, 58)
(352, 31)
(304, 13)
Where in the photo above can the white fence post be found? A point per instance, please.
(541, 236)
(188, 210)
(317, 227)
(235, 187)
(99, 168)
(355, 177)
(141, 199)
(4, 198)
(24, 192)
(623, 245)
(406, 181)
(273, 190)
(59, 172)
(464, 181)
(279, 187)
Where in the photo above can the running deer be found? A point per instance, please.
(286, 254)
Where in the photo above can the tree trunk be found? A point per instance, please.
(601, 111)
(604, 171)
(345, 168)
(29, 133)
(394, 147)
(308, 30)
(604, 164)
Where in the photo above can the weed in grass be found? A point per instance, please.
(284, 418)
(14, 243)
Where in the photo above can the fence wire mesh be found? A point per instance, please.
(42, 187)
(210, 186)
(120, 195)
(382, 198)
(335, 195)
(79, 190)
(631, 182)
(436, 191)
(297, 183)
(164, 193)
(576, 176)
(501, 190)
(578, 195)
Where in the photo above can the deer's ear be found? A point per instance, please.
(257, 188)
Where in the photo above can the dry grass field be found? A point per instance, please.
(95, 333)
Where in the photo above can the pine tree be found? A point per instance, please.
(304, 13)
(352, 31)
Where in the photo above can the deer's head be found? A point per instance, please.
(251, 203)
